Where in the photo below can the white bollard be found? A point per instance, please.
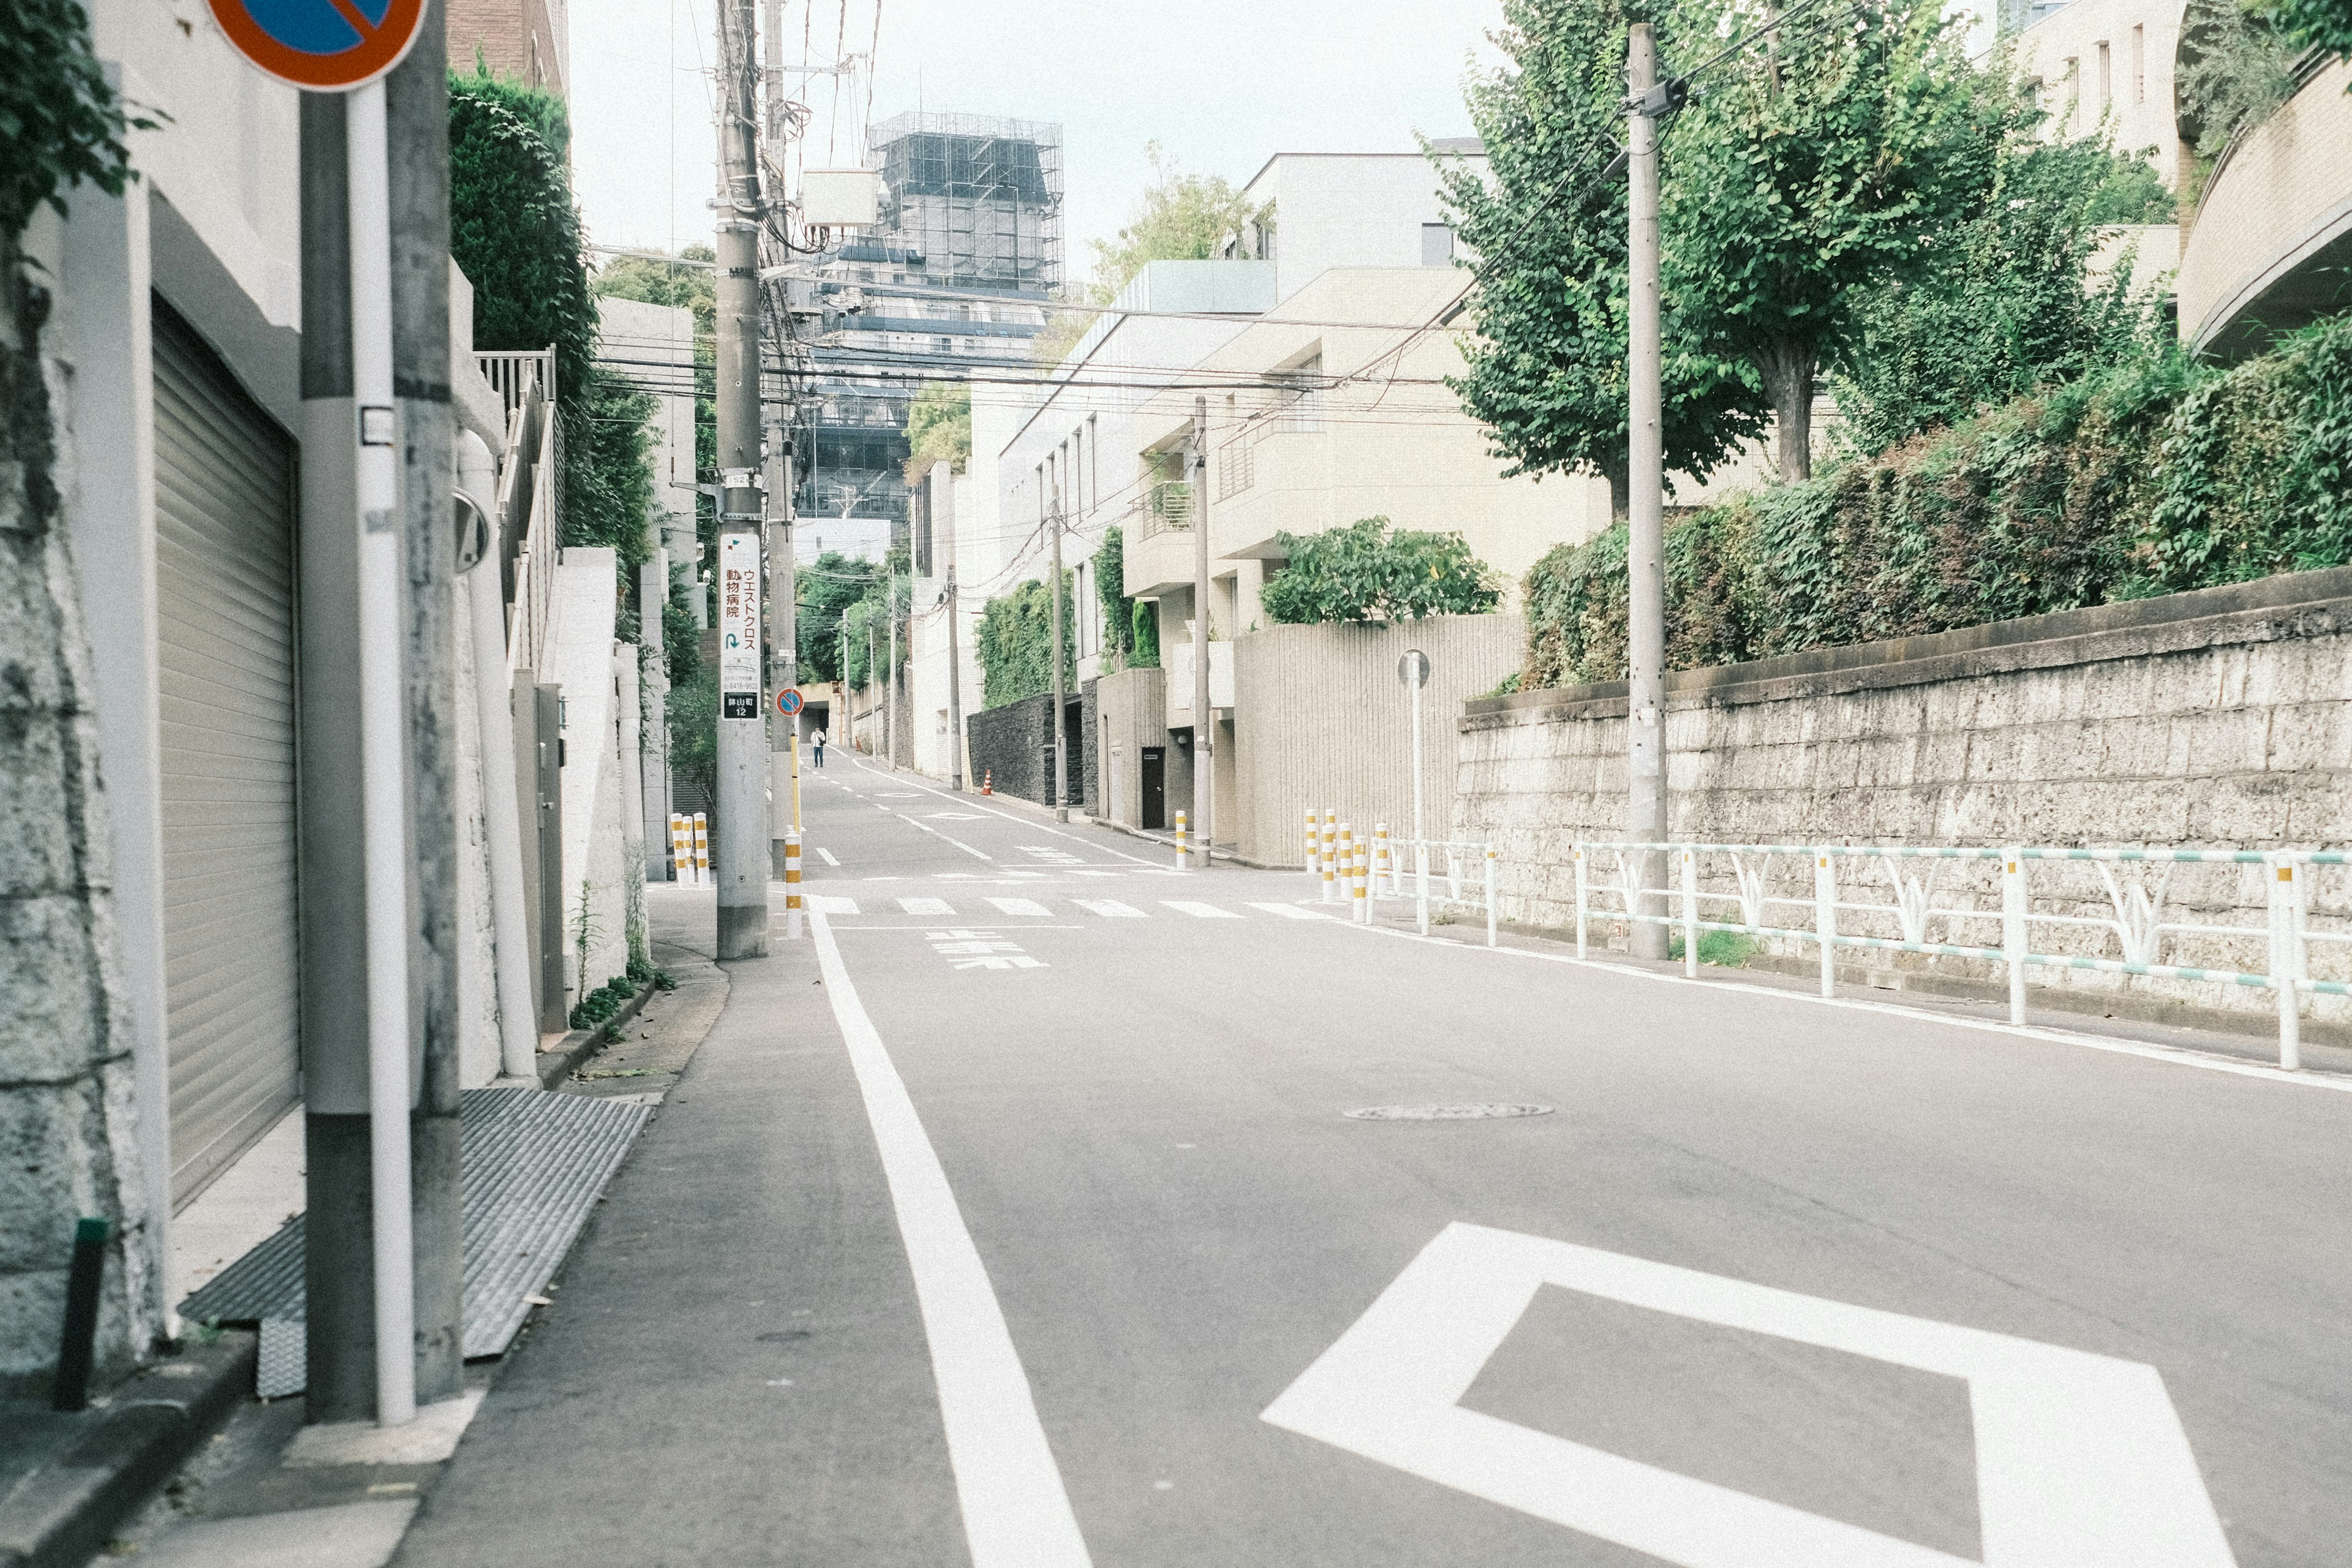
(1690, 913)
(1580, 900)
(2013, 946)
(1180, 841)
(1362, 883)
(2287, 957)
(1384, 862)
(793, 886)
(1420, 881)
(1314, 848)
(701, 847)
(1490, 895)
(1825, 920)
(681, 847)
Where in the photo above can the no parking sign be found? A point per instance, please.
(324, 46)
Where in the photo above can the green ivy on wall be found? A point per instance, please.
(2158, 477)
(1015, 644)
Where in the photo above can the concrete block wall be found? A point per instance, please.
(1320, 719)
(1009, 743)
(2221, 719)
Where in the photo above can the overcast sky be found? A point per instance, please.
(1220, 84)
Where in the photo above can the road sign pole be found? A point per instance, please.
(382, 753)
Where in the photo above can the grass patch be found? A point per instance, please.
(1728, 948)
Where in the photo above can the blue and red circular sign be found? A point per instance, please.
(325, 45)
(789, 701)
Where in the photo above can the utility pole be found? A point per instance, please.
(784, 590)
(955, 669)
(1646, 553)
(1061, 737)
(742, 803)
(1204, 719)
(890, 736)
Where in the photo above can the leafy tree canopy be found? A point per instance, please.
(2325, 25)
(2002, 307)
(1118, 610)
(1364, 573)
(1015, 644)
(2237, 66)
(939, 423)
(60, 124)
(826, 593)
(1807, 175)
(1547, 370)
(657, 282)
(1184, 217)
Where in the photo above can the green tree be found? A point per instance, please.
(1014, 643)
(60, 124)
(1184, 217)
(692, 713)
(1546, 372)
(1364, 573)
(2323, 25)
(2236, 67)
(2002, 306)
(1807, 175)
(680, 284)
(1110, 587)
(827, 592)
(939, 423)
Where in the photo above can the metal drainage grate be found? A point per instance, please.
(1444, 1112)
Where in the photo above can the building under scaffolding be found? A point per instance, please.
(970, 205)
(980, 197)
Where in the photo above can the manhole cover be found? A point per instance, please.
(1444, 1112)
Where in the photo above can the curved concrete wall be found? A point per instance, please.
(2273, 232)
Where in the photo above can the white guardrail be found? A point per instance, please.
(2135, 923)
(1360, 871)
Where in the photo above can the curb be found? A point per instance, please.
(61, 1515)
(555, 1065)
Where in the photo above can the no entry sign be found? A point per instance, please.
(325, 45)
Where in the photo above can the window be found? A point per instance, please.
(1436, 245)
(2139, 65)
(1301, 406)
(2106, 83)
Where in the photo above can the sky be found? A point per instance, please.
(1221, 85)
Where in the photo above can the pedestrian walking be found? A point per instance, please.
(818, 741)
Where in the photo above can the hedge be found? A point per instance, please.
(2159, 476)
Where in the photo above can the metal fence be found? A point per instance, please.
(530, 498)
(2103, 910)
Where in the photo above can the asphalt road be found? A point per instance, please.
(1026, 1226)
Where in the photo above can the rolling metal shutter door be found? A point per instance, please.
(225, 590)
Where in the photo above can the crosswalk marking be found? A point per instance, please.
(1293, 910)
(1095, 873)
(1110, 909)
(1200, 911)
(831, 904)
(1021, 907)
(927, 906)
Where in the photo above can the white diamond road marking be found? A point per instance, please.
(956, 815)
(2081, 1459)
(1293, 910)
(826, 856)
(1199, 911)
(831, 904)
(1049, 852)
(1021, 907)
(1110, 909)
(927, 906)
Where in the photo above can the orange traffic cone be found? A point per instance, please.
(988, 781)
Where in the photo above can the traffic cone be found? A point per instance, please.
(988, 781)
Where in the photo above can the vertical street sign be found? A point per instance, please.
(349, 46)
(738, 625)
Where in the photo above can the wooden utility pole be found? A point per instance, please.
(955, 666)
(742, 804)
(1646, 553)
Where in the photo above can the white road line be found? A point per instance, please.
(826, 856)
(1021, 907)
(1025, 822)
(1016, 1513)
(1200, 912)
(1110, 909)
(831, 904)
(1074, 872)
(2177, 1057)
(927, 906)
(1293, 910)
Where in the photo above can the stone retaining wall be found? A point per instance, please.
(2217, 719)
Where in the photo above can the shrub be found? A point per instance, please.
(1364, 572)
(2158, 477)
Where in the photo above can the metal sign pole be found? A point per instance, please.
(383, 754)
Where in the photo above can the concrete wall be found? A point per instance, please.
(1321, 720)
(2217, 719)
(1128, 710)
